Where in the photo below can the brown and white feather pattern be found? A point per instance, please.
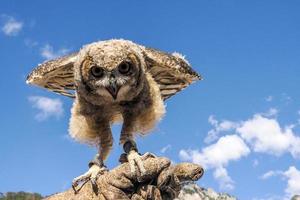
(55, 75)
(172, 72)
(115, 80)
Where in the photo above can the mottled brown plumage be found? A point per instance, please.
(115, 81)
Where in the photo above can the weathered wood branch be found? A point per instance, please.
(162, 181)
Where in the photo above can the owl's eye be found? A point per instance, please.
(97, 71)
(124, 68)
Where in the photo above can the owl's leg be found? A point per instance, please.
(130, 148)
(96, 166)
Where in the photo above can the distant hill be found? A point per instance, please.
(296, 197)
(191, 191)
(20, 196)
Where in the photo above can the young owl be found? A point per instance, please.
(114, 81)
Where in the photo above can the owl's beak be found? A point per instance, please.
(113, 89)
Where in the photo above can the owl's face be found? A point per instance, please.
(109, 70)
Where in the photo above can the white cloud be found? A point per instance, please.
(270, 197)
(293, 181)
(11, 26)
(49, 53)
(218, 127)
(255, 163)
(166, 148)
(286, 98)
(262, 132)
(269, 98)
(272, 112)
(227, 148)
(266, 136)
(225, 181)
(217, 156)
(30, 43)
(224, 126)
(212, 120)
(47, 107)
(292, 175)
(270, 174)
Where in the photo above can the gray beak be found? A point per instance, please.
(113, 88)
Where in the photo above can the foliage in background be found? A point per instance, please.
(20, 196)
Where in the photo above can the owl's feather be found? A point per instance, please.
(115, 80)
(171, 72)
(55, 75)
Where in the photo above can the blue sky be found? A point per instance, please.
(242, 122)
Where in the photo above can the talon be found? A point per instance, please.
(94, 185)
(90, 175)
(135, 161)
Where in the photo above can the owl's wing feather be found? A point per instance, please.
(55, 75)
(170, 71)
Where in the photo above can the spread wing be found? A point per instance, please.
(171, 71)
(55, 75)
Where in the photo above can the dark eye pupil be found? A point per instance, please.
(97, 71)
(124, 68)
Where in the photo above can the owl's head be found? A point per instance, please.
(112, 70)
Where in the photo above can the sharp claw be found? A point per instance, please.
(81, 178)
(136, 164)
(94, 185)
(135, 159)
(74, 189)
(90, 175)
(76, 182)
(132, 165)
(140, 165)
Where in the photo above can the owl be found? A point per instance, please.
(114, 81)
